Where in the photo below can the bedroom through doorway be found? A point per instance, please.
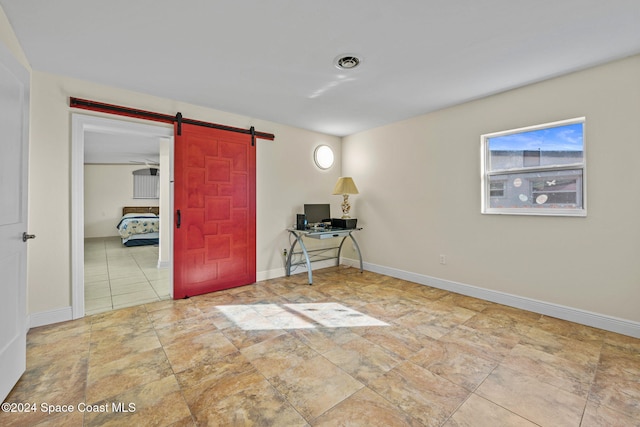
(113, 268)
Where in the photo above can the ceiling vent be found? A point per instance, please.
(347, 62)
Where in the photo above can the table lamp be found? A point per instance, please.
(345, 186)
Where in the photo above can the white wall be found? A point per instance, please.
(8, 37)
(419, 184)
(107, 189)
(286, 179)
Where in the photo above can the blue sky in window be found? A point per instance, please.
(560, 138)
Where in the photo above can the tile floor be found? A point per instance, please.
(116, 276)
(354, 349)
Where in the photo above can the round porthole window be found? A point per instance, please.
(323, 156)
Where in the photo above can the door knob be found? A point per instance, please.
(26, 236)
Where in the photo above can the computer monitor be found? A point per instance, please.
(317, 213)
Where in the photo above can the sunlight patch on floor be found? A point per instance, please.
(296, 316)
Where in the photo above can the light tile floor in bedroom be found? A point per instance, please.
(116, 276)
(354, 349)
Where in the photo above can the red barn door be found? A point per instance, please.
(215, 210)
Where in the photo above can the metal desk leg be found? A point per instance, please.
(288, 264)
(304, 251)
(355, 245)
(357, 250)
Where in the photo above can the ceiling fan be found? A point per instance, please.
(151, 164)
(147, 162)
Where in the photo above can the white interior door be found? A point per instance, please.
(14, 138)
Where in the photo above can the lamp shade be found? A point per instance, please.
(345, 185)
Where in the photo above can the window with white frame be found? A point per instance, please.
(537, 170)
(146, 183)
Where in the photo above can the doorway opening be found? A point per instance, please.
(100, 244)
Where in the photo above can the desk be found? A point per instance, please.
(321, 234)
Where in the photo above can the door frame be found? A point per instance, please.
(80, 124)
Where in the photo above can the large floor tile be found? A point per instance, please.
(479, 412)
(216, 369)
(156, 403)
(560, 372)
(278, 354)
(362, 359)
(105, 381)
(315, 386)
(365, 409)
(243, 399)
(596, 415)
(455, 362)
(531, 398)
(109, 344)
(401, 341)
(617, 381)
(428, 397)
(198, 347)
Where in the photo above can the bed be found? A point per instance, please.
(139, 226)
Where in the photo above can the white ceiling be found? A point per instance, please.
(273, 59)
(108, 148)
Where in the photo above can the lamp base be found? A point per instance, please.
(346, 206)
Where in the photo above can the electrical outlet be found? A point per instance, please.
(443, 259)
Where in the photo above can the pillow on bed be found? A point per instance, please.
(141, 214)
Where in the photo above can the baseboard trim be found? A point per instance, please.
(269, 274)
(49, 317)
(588, 318)
(302, 268)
